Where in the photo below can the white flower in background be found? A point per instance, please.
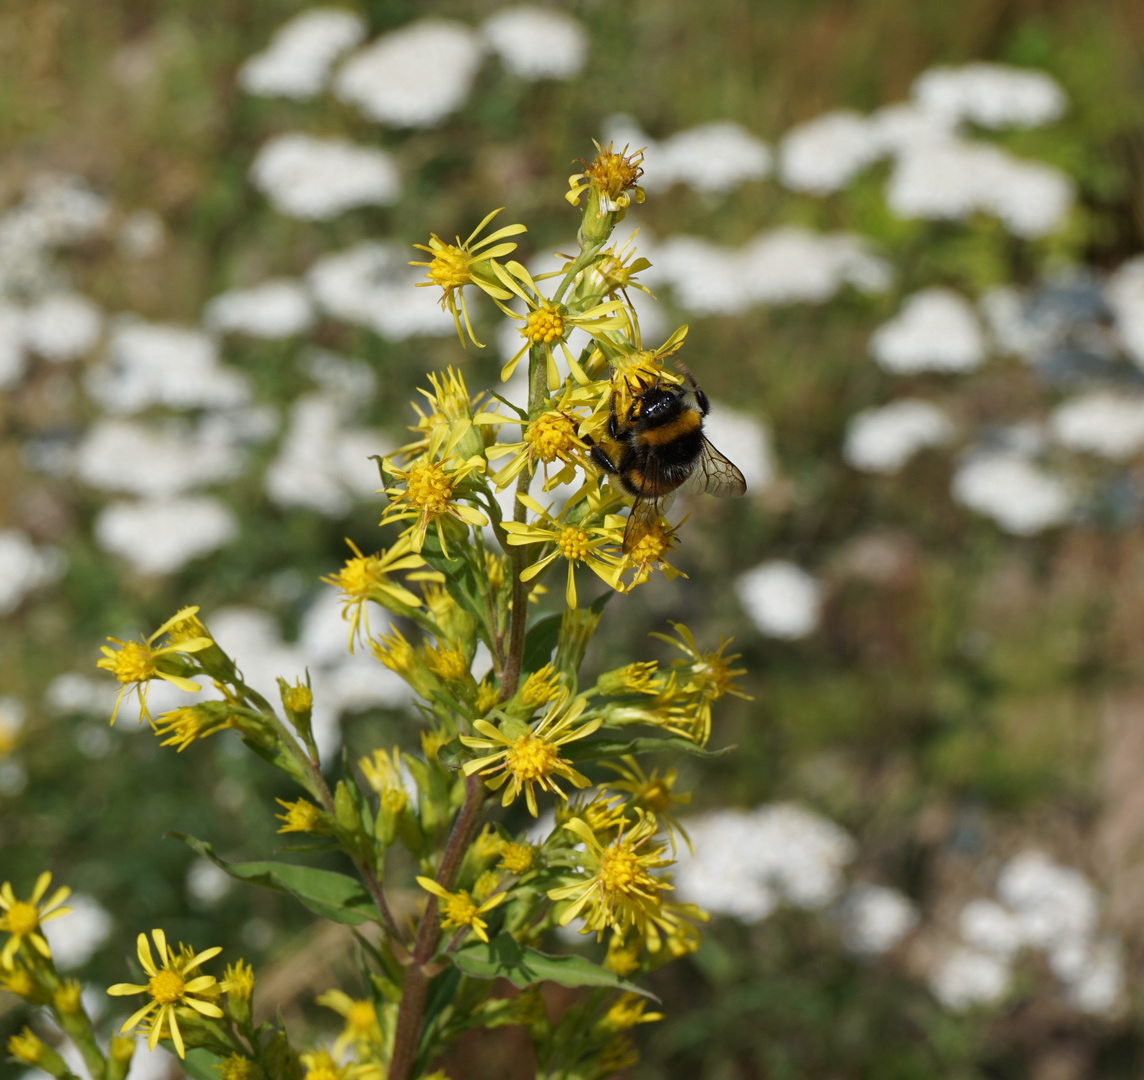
(991, 95)
(142, 235)
(297, 62)
(354, 380)
(140, 459)
(875, 918)
(1093, 974)
(206, 883)
(953, 179)
(322, 463)
(966, 977)
(990, 927)
(1020, 497)
(372, 285)
(13, 359)
(781, 599)
(1052, 902)
(276, 309)
(825, 154)
(745, 863)
(155, 364)
(161, 535)
(784, 266)
(62, 326)
(1111, 425)
(936, 330)
(900, 126)
(413, 77)
(317, 179)
(883, 440)
(1125, 295)
(712, 158)
(744, 440)
(74, 938)
(1012, 331)
(537, 43)
(25, 567)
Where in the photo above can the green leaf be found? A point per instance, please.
(331, 895)
(200, 1064)
(505, 958)
(453, 754)
(539, 643)
(460, 579)
(589, 749)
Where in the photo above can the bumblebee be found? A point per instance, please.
(664, 450)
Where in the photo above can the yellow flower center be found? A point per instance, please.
(650, 547)
(133, 663)
(358, 576)
(449, 268)
(713, 672)
(448, 664)
(530, 758)
(540, 686)
(574, 544)
(67, 998)
(166, 987)
(613, 173)
(517, 858)
(551, 436)
(619, 868)
(234, 1067)
(299, 699)
(429, 487)
(20, 982)
(460, 909)
(300, 816)
(361, 1018)
(544, 325)
(22, 918)
(487, 695)
(394, 799)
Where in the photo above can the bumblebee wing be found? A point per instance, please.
(715, 475)
(647, 508)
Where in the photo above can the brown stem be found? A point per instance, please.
(411, 1012)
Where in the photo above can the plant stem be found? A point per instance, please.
(411, 1012)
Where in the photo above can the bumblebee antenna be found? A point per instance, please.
(686, 371)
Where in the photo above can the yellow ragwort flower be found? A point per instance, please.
(551, 437)
(170, 988)
(541, 687)
(531, 759)
(620, 889)
(320, 1065)
(627, 1011)
(650, 551)
(614, 174)
(570, 541)
(136, 663)
(238, 981)
(468, 262)
(460, 909)
(429, 490)
(180, 727)
(655, 793)
(22, 918)
(361, 1030)
(383, 773)
(365, 578)
(517, 858)
(302, 816)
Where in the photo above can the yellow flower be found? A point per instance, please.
(180, 727)
(448, 664)
(383, 774)
(634, 371)
(485, 885)
(321, 1066)
(531, 757)
(570, 541)
(636, 678)
(169, 987)
(237, 1067)
(541, 687)
(614, 174)
(620, 891)
(552, 436)
(27, 1047)
(366, 578)
(460, 909)
(453, 266)
(136, 663)
(517, 858)
(361, 1030)
(488, 694)
(303, 816)
(238, 981)
(22, 918)
(67, 997)
(627, 1011)
(428, 490)
(650, 551)
(654, 793)
(21, 983)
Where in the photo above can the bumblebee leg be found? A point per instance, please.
(600, 458)
(700, 397)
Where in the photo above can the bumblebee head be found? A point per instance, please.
(656, 405)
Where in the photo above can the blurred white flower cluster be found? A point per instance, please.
(1044, 907)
